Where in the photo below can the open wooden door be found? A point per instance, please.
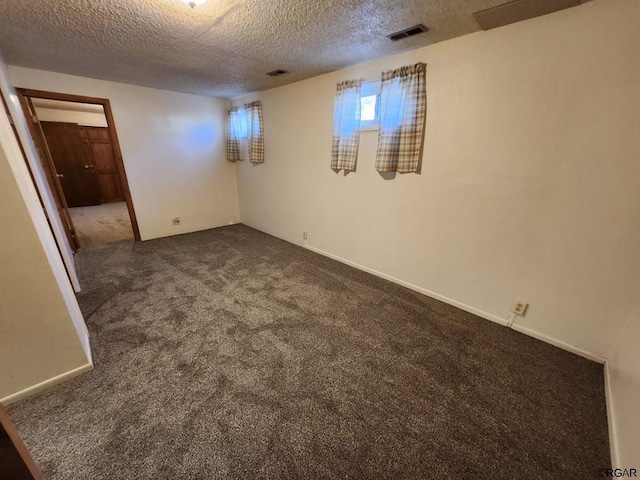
(105, 169)
(49, 168)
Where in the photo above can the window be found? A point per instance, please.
(243, 128)
(403, 109)
(255, 131)
(370, 105)
(346, 125)
(245, 131)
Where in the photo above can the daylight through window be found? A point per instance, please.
(370, 105)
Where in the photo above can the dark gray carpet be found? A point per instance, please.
(232, 354)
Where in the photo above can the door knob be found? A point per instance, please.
(60, 175)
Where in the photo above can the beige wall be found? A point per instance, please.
(624, 404)
(38, 340)
(529, 184)
(173, 149)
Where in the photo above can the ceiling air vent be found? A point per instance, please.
(408, 32)
(277, 73)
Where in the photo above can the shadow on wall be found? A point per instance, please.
(387, 175)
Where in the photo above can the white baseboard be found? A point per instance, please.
(27, 392)
(559, 343)
(415, 288)
(465, 307)
(611, 418)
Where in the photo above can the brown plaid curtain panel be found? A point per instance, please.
(234, 128)
(403, 107)
(346, 125)
(256, 131)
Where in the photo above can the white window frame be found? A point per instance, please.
(369, 88)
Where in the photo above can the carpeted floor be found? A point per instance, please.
(231, 354)
(100, 224)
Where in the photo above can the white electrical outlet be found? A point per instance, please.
(304, 235)
(519, 307)
(176, 220)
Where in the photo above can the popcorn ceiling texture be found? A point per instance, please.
(222, 48)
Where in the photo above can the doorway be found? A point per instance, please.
(80, 153)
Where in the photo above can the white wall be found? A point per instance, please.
(529, 184)
(173, 149)
(88, 119)
(42, 334)
(624, 399)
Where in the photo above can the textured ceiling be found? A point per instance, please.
(222, 48)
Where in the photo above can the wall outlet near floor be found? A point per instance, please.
(176, 220)
(304, 235)
(520, 307)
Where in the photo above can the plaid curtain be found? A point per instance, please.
(256, 131)
(346, 125)
(234, 129)
(403, 108)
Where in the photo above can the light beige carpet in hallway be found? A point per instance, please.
(100, 224)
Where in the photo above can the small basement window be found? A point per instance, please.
(370, 105)
(243, 130)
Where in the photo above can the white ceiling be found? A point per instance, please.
(222, 48)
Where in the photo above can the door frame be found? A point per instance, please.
(115, 143)
(35, 128)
